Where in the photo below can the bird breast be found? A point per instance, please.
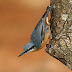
(47, 35)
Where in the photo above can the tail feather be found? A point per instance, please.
(48, 9)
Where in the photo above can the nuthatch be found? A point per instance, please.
(40, 35)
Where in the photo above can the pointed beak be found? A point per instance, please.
(21, 54)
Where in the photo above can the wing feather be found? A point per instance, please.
(37, 35)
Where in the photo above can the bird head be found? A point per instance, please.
(28, 48)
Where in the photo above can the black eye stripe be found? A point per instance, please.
(28, 49)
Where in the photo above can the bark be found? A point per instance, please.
(60, 46)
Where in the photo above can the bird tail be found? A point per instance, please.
(48, 9)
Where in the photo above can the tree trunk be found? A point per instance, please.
(60, 46)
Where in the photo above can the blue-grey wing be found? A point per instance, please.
(38, 34)
(36, 38)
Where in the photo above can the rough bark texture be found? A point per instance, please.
(60, 46)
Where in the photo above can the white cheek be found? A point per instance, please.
(31, 50)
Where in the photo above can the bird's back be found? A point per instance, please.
(38, 34)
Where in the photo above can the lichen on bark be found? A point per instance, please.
(60, 46)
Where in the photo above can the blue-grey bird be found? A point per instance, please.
(40, 35)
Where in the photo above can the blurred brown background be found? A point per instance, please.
(17, 21)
